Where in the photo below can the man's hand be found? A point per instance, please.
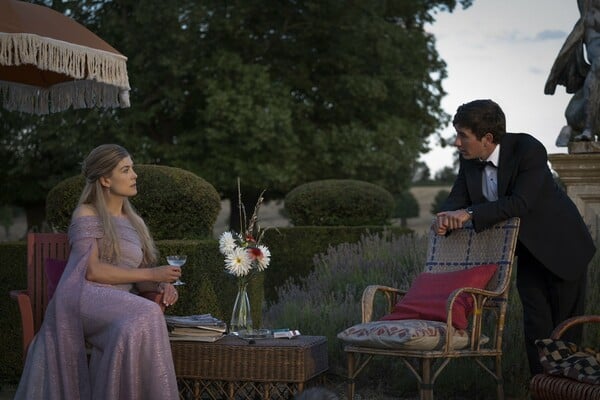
(448, 220)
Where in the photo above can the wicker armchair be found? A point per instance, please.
(462, 249)
(34, 300)
(552, 387)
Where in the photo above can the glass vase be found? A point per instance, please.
(241, 319)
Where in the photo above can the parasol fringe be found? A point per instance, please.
(77, 61)
(76, 94)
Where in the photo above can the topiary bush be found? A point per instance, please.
(339, 202)
(175, 203)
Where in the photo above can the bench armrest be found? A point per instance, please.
(26, 311)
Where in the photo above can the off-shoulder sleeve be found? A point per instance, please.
(88, 227)
(83, 231)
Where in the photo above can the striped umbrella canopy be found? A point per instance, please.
(49, 63)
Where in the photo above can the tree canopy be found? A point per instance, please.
(277, 93)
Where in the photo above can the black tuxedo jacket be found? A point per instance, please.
(551, 227)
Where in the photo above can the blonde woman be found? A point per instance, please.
(95, 303)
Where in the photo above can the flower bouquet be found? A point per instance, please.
(244, 258)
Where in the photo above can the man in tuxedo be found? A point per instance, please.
(506, 175)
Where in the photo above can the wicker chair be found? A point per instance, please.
(552, 387)
(34, 300)
(460, 250)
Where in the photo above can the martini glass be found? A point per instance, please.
(177, 261)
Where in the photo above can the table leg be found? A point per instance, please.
(231, 390)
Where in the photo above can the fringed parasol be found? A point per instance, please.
(49, 62)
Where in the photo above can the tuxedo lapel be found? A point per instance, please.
(506, 163)
(473, 176)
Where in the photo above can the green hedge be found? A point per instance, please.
(13, 275)
(293, 249)
(208, 289)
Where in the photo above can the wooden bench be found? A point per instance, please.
(34, 300)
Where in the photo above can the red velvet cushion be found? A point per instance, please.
(427, 297)
(54, 270)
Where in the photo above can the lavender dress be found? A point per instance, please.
(131, 355)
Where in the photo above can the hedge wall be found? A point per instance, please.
(13, 275)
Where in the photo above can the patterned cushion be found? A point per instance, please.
(566, 359)
(404, 334)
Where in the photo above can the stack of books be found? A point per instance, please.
(203, 327)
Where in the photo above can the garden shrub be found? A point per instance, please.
(343, 202)
(13, 276)
(175, 203)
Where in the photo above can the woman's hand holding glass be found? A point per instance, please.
(166, 273)
(178, 261)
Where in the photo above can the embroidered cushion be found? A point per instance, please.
(566, 359)
(54, 269)
(427, 297)
(404, 334)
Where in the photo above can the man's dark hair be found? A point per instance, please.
(481, 117)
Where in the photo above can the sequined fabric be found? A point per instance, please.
(131, 355)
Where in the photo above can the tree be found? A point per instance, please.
(421, 174)
(438, 200)
(446, 175)
(407, 206)
(278, 95)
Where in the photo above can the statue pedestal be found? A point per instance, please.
(584, 147)
(580, 173)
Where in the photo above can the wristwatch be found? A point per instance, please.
(469, 211)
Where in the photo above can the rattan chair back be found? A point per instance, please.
(464, 248)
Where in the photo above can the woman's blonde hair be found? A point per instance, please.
(100, 163)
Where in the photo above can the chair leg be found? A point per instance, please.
(499, 379)
(426, 386)
(351, 382)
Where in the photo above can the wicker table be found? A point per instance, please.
(232, 368)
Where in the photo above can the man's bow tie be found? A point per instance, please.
(482, 164)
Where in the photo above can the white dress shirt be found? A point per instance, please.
(489, 177)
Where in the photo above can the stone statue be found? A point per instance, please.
(580, 76)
